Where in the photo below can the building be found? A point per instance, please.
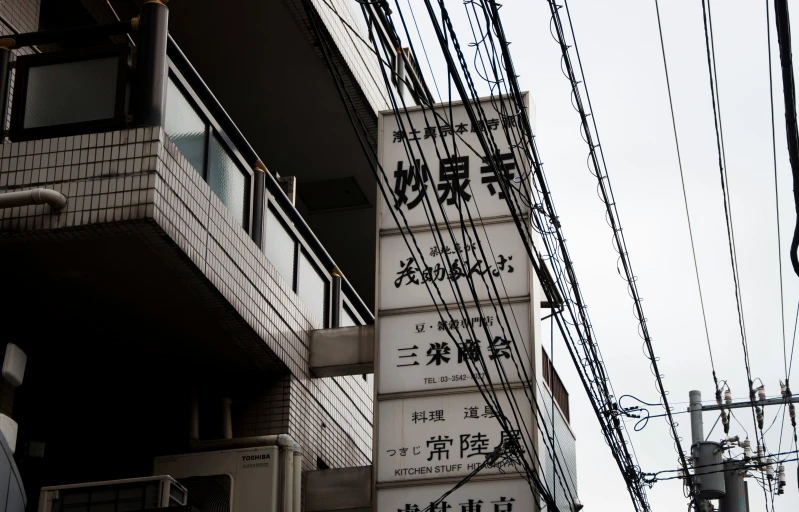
(172, 249)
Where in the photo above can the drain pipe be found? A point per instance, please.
(297, 478)
(287, 460)
(55, 199)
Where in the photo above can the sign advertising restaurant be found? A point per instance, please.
(417, 351)
(447, 177)
(451, 265)
(442, 436)
(503, 495)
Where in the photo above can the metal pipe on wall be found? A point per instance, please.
(297, 478)
(55, 199)
(287, 461)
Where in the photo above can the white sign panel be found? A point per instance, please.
(461, 177)
(403, 283)
(417, 351)
(506, 495)
(442, 436)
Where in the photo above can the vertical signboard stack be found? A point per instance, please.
(458, 318)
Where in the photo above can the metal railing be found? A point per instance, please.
(276, 198)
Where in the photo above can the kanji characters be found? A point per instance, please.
(437, 415)
(505, 164)
(454, 179)
(442, 506)
(503, 504)
(438, 353)
(499, 347)
(471, 413)
(414, 177)
(470, 506)
(408, 353)
(440, 447)
(407, 271)
(477, 444)
(469, 350)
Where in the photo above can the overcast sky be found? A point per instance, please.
(620, 48)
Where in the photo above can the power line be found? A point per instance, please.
(776, 188)
(685, 196)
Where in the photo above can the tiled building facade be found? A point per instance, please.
(139, 178)
(137, 184)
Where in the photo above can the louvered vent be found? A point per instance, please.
(209, 493)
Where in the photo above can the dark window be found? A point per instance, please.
(556, 386)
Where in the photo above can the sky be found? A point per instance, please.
(621, 56)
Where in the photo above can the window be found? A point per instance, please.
(346, 318)
(226, 180)
(205, 150)
(312, 288)
(69, 92)
(185, 127)
(279, 247)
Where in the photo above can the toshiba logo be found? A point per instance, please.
(263, 456)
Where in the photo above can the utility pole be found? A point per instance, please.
(716, 478)
(706, 457)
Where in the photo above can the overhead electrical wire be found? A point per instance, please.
(685, 196)
(600, 171)
(412, 159)
(592, 345)
(722, 161)
(783, 22)
(607, 404)
(776, 187)
(383, 173)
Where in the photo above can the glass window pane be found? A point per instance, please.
(346, 318)
(226, 180)
(185, 127)
(280, 247)
(71, 92)
(312, 289)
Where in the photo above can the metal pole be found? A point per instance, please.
(697, 428)
(736, 499)
(335, 312)
(5, 83)
(148, 103)
(258, 200)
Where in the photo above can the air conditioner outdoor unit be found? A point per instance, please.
(125, 495)
(243, 479)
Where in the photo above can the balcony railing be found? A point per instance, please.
(202, 130)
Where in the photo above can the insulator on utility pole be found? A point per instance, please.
(759, 414)
(725, 422)
(761, 392)
(728, 396)
(747, 446)
(770, 468)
